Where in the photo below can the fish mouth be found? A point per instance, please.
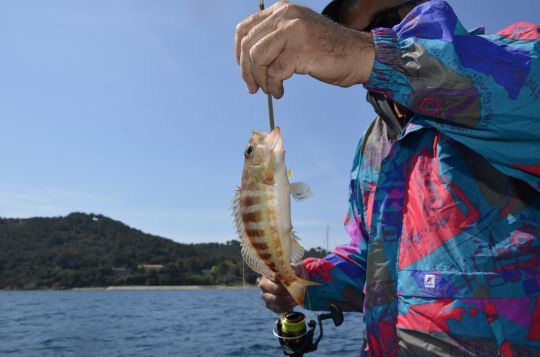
(275, 141)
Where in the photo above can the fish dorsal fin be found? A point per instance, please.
(248, 253)
(300, 191)
(297, 251)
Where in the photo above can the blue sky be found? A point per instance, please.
(136, 110)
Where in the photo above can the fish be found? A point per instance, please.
(262, 213)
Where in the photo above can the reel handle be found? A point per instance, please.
(336, 314)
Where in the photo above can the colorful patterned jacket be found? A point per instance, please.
(445, 216)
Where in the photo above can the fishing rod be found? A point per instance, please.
(268, 96)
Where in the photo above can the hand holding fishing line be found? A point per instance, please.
(273, 44)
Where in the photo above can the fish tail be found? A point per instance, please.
(298, 287)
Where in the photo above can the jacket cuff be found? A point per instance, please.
(388, 75)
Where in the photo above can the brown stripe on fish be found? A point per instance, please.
(265, 256)
(256, 216)
(260, 246)
(255, 233)
(269, 179)
(247, 201)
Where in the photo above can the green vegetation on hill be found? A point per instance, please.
(86, 250)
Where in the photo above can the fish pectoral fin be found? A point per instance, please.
(248, 253)
(300, 191)
(290, 173)
(297, 251)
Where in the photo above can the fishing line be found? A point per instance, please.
(243, 277)
(307, 295)
(243, 288)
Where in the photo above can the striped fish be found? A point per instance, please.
(262, 212)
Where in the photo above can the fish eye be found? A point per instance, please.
(249, 151)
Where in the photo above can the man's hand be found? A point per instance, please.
(273, 44)
(275, 295)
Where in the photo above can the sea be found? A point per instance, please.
(201, 322)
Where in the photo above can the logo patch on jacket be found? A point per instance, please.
(429, 281)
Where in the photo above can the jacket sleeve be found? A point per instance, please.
(482, 91)
(342, 274)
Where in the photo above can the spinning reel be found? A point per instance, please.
(294, 337)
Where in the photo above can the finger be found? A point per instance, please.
(272, 286)
(278, 72)
(263, 53)
(268, 286)
(277, 300)
(277, 303)
(280, 309)
(245, 70)
(244, 27)
(255, 35)
(250, 40)
(262, 25)
(275, 308)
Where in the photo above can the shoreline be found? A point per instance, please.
(147, 288)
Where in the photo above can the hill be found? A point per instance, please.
(87, 250)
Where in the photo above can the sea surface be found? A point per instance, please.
(208, 322)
